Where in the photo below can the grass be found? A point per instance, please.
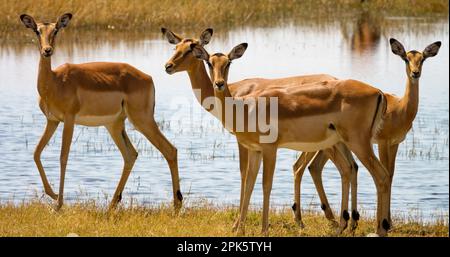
(184, 15)
(36, 218)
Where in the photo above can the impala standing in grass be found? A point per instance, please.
(95, 94)
(183, 60)
(312, 117)
(398, 119)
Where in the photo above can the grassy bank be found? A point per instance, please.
(36, 218)
(150, 14)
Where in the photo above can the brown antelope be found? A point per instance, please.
(183, 60)
(95, 94)
(312, 117)
(397, 121)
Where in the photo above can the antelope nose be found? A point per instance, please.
(168, 66)
(219, 83)
(48, 50)
(415, 74)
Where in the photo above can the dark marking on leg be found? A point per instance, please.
(294, 207)
(355, 215)
(345, 215)
(386, 224)
(323, 207)
(119, 197)
(179, 195)
(331, 126)
(355, 166)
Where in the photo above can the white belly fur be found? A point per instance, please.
(331, 140)
(89, 120)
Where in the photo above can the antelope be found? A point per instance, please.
(397, 121)
(312, 117)
(183, 60)
(95, 94)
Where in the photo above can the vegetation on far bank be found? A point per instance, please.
(37, 218)
(139, 15)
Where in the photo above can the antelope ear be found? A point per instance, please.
(397, 48)
(28, 21)
(63, 21)
(199, 52)
(171, 37)
(238, 51)
(432, 50)
(205, 37)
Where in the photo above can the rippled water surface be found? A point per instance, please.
(208, 158)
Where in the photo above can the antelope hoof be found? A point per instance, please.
(353, 225)
(240, 231)
(342, 227)
(334, 224)
(177, 207)
(383, 229)
(57, 207)
(382, 232)
(300, 223)
(112, 206)
(235, 226)
(265, 232)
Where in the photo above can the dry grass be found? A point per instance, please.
(149, 15)
(36, 218)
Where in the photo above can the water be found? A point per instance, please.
(208, 158)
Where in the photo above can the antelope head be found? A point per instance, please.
(218, 63)
(183, 59)
(414, 59)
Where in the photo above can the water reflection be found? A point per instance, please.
(366, 34)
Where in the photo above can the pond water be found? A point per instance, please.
(208, 158)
